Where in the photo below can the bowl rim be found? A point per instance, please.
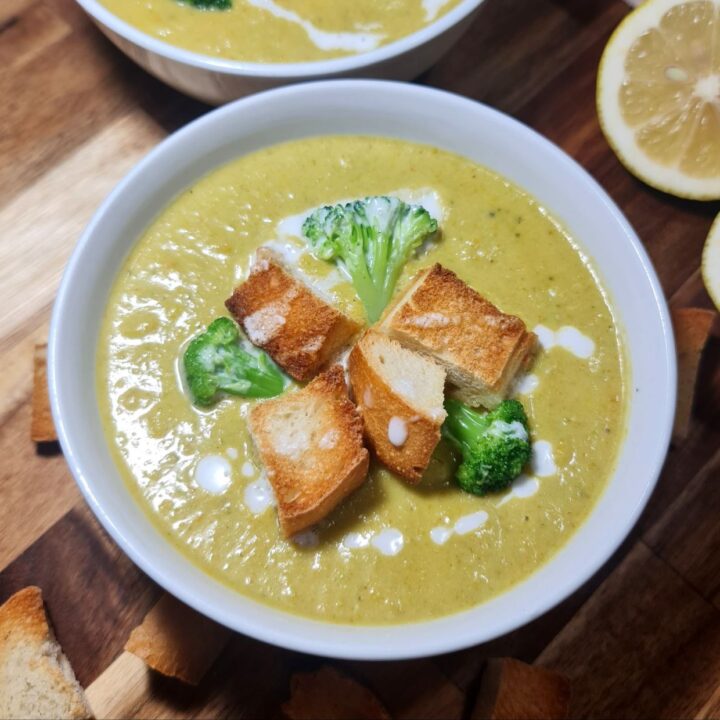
(280, 71)
(296, 632)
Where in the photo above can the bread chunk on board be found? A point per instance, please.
(481, 348)
(42, 427)
(281, 315)
(400, 396)
(36, 680)
(513, 690)
(692, 327)
(310, 442)
(177, 641)
(327, 694)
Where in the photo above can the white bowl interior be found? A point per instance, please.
(415, 114)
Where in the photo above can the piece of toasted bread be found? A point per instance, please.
(177, 641)
(514, 690)
(327, 694)
(692, 328)
(310, 442)
(280, 314)
(36, 680)
(42, 427)
(400, 396)
(480, 347)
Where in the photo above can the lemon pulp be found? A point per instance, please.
(659, 95)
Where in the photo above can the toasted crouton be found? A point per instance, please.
(311, 444)
(481, 348)
(327, 694)
(42, 427)
(692, 328)
(177, 641)
(36, 680)
(298, 329)
(513, 690)
(400, 397)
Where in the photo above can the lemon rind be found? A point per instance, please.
(711, 263)
(616, 131)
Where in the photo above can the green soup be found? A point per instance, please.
(281, 30)
(391, 553)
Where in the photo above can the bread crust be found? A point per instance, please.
(281, 315)
(42, 427)
(692, 328)
(23, 616)
(514, 690)
(311, 478)
(378, 404)
(327, 693)
(36, 679)
(176, 641)
(481, 347)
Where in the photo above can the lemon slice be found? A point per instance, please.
(658, 95)
(711, 263)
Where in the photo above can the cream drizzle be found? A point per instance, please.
(213, 473)
(432, 8)
(259, 496)
(542, 461)
(463, 525)
(567, 337)
(526, 384)
(524, 486)
(397, 431)
(357, 42)
(389, 541)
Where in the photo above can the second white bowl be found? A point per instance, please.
(217, 81)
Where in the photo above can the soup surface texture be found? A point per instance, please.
(281, 30)
(391, 553)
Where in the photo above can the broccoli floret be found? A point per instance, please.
(216, 362)
(373, 238)
(209, 4)
(495, 446)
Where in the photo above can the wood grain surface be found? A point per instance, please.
(640, 640)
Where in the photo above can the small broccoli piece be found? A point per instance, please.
(495, 446)
(373, 239)
(209, 4)
(216, 362)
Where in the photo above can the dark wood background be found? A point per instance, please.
(642, 639)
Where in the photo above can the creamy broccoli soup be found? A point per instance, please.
(280, 30)
(392, 552)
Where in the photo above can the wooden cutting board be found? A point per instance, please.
(642, 639)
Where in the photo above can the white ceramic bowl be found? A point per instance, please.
(416, 114)
(218, 81)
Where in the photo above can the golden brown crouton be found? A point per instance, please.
(481, 348)
(329, 695)
(514, 690)
(177, 641)
(279, 314)
(311, 444)
(42, 427)
(692, 328)
(36, 680)
(400, 396)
